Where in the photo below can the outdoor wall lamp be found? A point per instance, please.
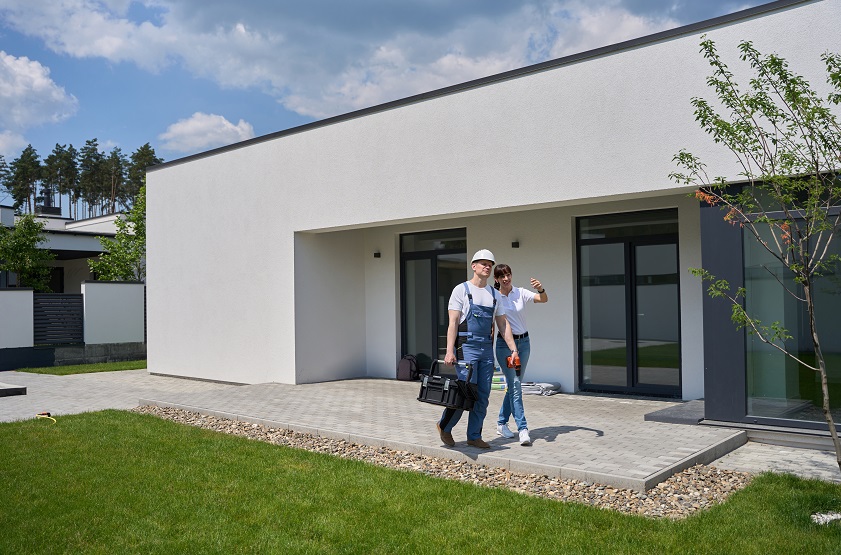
(515, 244)
(377, 254)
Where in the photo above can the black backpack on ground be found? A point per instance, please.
(407, 368)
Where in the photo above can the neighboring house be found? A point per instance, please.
(73, 242)
(99, 321)
(350, 232)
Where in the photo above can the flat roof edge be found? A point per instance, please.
(499, 77)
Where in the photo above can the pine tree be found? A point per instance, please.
(142, 158)
(24, 176)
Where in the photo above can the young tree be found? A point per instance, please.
(125, 259)
(19, 253)
(787, 141)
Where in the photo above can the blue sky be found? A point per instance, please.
(191, 75)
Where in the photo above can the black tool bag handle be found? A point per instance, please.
(435, 364)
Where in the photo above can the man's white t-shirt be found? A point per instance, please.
(481, 297)
(514, 304)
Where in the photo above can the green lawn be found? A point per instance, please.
(87, 368)
(119, 482)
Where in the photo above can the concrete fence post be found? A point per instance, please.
(17, 327)
(113, 312)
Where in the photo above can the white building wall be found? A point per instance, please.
(594, 131)
(16, 318)
(547, 252)
(100, 224)
(7, 216)
(113, 312)
(329, 307)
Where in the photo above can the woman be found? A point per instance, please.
(514, 300)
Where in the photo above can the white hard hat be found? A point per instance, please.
(483, 254)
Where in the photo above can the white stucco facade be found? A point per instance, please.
(113, 312)
(282, 285)
(16, 323)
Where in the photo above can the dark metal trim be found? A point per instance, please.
(58, 318)
(785, 422)
(725, 367)
(507, 75)
(103, 281)
(82, 233)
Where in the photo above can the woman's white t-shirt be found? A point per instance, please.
(515, 304)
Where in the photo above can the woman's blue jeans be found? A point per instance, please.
(513, 401)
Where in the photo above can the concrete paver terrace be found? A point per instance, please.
(584, 437)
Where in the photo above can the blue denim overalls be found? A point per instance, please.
(477, 350)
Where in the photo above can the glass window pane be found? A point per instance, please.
(658, 346)
(604, 346)
(446, 239)
(779, 387)
(631, 224)
(452, 270)
(418, 313)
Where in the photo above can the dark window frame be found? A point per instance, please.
(629, 242)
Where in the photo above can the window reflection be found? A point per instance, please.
(779, 387)
(603, 315)
(658, 343)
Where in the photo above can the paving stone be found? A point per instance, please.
(588, 435)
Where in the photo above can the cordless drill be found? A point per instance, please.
(515, 364)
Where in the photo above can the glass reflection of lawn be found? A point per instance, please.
(664, 355)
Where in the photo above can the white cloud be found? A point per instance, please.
(204, 131)
(322, 59)
(528, 36)
(11, 144)
(82, 29)
(29, 96)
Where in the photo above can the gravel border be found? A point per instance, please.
(682, 495)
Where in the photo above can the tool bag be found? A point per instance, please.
(448, 391)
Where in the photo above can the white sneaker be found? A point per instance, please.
(502, 430)
(524, 437)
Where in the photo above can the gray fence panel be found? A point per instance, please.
(59, 318)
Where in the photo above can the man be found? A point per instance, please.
(472, 309)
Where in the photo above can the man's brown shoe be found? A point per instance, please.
(480, 443)
(446, 437)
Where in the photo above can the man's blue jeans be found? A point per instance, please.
(513, 401)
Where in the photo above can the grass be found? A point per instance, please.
(119, 482)
(87, 368)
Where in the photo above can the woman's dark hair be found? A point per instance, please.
(499, 271)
